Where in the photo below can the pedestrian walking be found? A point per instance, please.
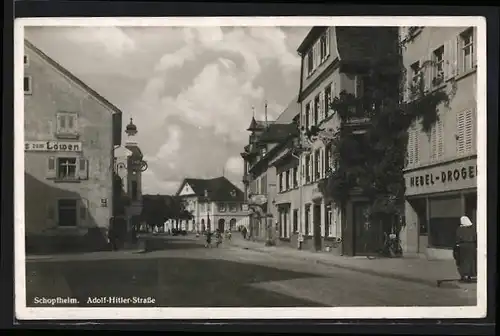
(218, 237)
(244, 232)
(208, 235)
(465, 250)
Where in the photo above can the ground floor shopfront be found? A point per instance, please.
(436, 197)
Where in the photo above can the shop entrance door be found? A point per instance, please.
(365, 233)
(471, 207)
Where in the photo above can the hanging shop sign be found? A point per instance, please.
(447, 177)
(52, 146)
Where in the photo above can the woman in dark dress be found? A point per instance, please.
(466, 252)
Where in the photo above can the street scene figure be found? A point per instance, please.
(331, 166)
(466, 253)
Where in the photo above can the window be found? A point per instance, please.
(317, 163)
(66, 168)
(467, 52)
(310, 62)
(233, 207)
(295, 177)
(416, 74)
(438, 66)
(222, 207)
(295, 220)
(308, 166)
(67, 124)
(287, 181)
(465, 132)
(323, 51)
(328, 157)
(67, 212)
(328, 220)
(307, 214)
(328, 99)
(28, 89)
(437, 142)
(307, 116)
(316, 110)
(26, 60)
(280, 182)
(134, 191)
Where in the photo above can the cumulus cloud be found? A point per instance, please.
(234, 165)
(190, 90)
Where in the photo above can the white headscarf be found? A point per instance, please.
(465, 221)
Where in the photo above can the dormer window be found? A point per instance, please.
(233, 193)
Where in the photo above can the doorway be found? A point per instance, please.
(366, 236)
(317, 226)
(232, 224)
(67, 212)
(221, 224)
(471, 207)
(419, 205)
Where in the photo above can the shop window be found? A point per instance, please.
(444, 220)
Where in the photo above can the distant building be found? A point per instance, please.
(70, 134)
(441, 171)
(267, 143)
(129, 165)
(214, 203)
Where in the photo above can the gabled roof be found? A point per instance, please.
(290, 112)
(218, 189)
(72, 77)
(279, 132)
(256, 125)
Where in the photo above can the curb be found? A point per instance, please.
(431, 283)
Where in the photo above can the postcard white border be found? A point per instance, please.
(25, 313)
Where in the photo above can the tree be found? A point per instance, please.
(156, 209)
(377, 171)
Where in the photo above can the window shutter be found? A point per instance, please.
(411, 146)
(474, 46)
(440, 139)
(416, 140)
(83, 210)
(61, 123)
(306, 64)
(302, 170)
(321, 163)
(327, 35)
(469, 131)
(459, 55)
(448, 62)
(460, 133)
(83, 173)
(427, 71)
(322, 103)
(51, 167)
(407, 84)
(317, 54)
(311, 113)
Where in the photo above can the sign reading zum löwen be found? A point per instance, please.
(52, 146)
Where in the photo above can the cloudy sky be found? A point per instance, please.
(190, 90)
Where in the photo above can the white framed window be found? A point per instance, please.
(437, 141)
(322, 41)
(307, 115)
(467, 49)
(416, 73)
(28, 85)
(221, 207)
(316, 111)
(465, 132)
(67, 125)
(67, 168)
(438, 66)
(310, 61)
(233, 207)
(295, 177)
(287, 180)
(327, 99)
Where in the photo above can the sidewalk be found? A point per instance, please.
(407, 269)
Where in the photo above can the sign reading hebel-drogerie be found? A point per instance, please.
(52, 146)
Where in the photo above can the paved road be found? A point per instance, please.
(185, 274)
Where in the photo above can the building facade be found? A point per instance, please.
(335, 60)
(70, 135)
(214, 203)
(441, 170)
(129, 165)
(266, 144)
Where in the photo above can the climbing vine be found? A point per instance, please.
(370, 161)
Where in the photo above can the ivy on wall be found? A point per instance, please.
(369, 162)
